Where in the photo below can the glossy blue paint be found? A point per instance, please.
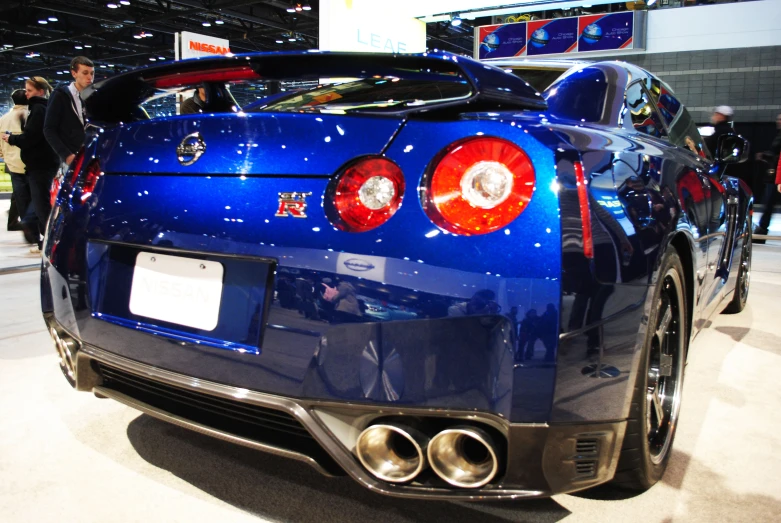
(502, 322)
(252, 144)
(434, 277)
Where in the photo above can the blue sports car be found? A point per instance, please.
(434, 276)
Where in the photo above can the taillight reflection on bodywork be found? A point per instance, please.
(585, 212)
(478, 186)
(76, 166)
(366, 194)
(55, 189)
(89, 179)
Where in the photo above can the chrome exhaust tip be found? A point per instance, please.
(392, 453)
(463, 456)
(65, 349)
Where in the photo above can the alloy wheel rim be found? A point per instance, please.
(665, 369)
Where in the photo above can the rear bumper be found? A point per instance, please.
(539, 459)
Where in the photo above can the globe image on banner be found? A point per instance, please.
(491, 42)
(539, 37)
(592, 34)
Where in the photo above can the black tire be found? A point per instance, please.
(740, 296)
(657, 392)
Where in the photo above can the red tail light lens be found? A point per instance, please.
(478, 186)
(585, 212)
(55, 189)
(76, 165)
(90, 179)
(367, 194)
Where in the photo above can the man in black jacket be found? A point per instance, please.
(64, 126)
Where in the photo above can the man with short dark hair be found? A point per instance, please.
(195, 103)
(65, 117)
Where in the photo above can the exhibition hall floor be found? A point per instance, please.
(67, 456)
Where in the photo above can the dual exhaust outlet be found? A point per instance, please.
(464, 456)
(66, 348)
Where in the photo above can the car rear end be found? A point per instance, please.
(364, 278)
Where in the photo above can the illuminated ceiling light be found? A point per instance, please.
(137, 37)
(103, 66)
(8, 45)
(279, 41)
(455, 21)
(206, 24)
(298, 8)
(124, 2)
(152, 59)
(87, 46)
(146, 34)
(65, 71)
(53, 19)
(78, 47)
(219, 22)
(291, 39)
(32, 55)
(161, 57)
(307, 7)
(60, 72)
(43, 22)
(112, 6)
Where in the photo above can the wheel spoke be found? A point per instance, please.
(657, 404)
(664, 325)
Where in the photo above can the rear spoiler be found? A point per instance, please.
(117, 99)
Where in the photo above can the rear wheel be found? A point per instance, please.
(740, 296)
(656, 399)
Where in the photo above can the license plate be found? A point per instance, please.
(178, 290)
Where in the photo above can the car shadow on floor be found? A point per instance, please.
(280, 489)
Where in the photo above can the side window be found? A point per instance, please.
(641, 112)
(684, 133)
(665, 101)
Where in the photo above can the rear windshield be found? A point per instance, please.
(540, 79)
(367, 95)
(581, 97)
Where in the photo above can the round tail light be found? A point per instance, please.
(478, 185)
(366, 194)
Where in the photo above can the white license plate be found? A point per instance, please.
(177, 290)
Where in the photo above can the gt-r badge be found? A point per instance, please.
(190, 149)
(292, 204)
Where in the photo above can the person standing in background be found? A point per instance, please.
(65, 117)
(12, 123)
(770, 197)
(39, 159)
(194, 104)
(721, 125)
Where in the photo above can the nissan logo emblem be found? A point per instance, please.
(190, 149)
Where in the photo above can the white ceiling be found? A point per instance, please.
(429, 9)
